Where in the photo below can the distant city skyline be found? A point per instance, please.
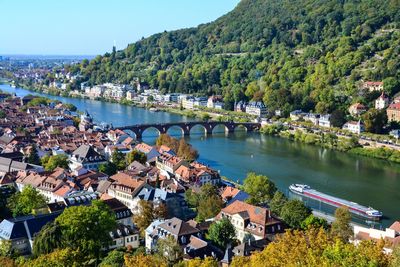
(73, 27)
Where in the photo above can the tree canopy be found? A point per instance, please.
(54, 161)
(222, 233)
(259, 187)
(180, 147)
(341, 227)
(207, 202)
(86, 228)
(24, 202)
(294, 212)
(315, 247)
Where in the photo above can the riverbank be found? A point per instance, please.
(201, 113)
(343, 143)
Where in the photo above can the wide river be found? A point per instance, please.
(367, 181)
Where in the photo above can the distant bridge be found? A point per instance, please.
(185, 127)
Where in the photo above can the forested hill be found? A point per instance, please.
(307, 54)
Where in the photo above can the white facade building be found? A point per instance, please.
(256, 108)
(356, 127)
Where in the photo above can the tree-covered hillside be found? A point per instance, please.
(308, 54)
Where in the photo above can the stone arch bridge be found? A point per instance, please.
(185, 127)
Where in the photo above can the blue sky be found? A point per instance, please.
(89, 27)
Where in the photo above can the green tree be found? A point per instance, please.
(312, 221)
(391, 85)
(395, 261)
(148, 213)
(114, 258)
(33, 157)
(108, 168)
(207, 202)
(169, 249)
(118, 158)
(3, 114)
(87, 228)
(52, 162)
(209, 207)
(135, 155)
(222, 233)
(24, 202)
(205, 116)
(341, 227)
(338, 118)
(277, 202)
(294, 212)
(6, 248)
(66, 257)
(48, 239)
(374, 120)
(259, 187)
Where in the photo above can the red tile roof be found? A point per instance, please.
(394, 106)
(256, 214)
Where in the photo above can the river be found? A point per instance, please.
(367, 181)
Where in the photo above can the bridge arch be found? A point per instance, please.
(147, 130)
(174, 129)
(220, 127)
(195, 128)
(241, 127)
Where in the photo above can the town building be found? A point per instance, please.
(251, 221)
(197, 174)
(390, 235)
(168, 163)
(325, 121)
(256, 108)
(357, 109)
(372, 86)
(395, 133)
(173, 97)
(356, 127)
(382, 101)
(215, 102)
(124, 236)
(180, 230)
(230, 194)
(21, 231)
(240, 106)
(86, 157)
(150, 151)
(297, 114)
(393, 112)
(312, 117)
(125, 188)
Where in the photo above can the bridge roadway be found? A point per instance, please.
(208, 126)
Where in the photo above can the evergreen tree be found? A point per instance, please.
(33, 157)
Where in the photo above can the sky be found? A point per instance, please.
(90, 27)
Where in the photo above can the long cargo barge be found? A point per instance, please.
(353, 207)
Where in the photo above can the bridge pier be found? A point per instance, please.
(138, 136)
(186, 131)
